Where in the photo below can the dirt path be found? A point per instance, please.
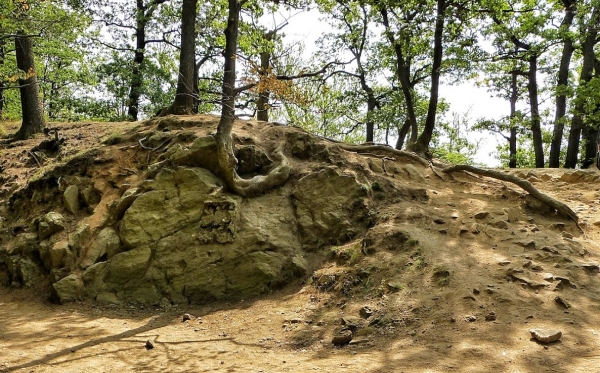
(263, 336)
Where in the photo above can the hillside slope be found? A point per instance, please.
(423, 274)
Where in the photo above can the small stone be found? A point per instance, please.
(71, 199)
(355, 342)
(546, 335)
(365, 312)
(470, 318)
(481, 215)
(490, 316)
(439, 221)
(504, 263)
(342, 339)
(501, 224)
(476, 291)
(454, 215)
(149, 345)
(186, 317)
(591, 267)
(561, 302)
(566, 234)
(443, 231)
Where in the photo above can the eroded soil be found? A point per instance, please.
(429, 298)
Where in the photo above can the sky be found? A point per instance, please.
(308, 27)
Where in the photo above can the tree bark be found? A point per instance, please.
(184, 96)
(31, 105)
(589, 58)
(536, 131)
(562, 83)
(422, 144)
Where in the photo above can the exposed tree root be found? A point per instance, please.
(362, 149)
(562, 209)
(258, 184)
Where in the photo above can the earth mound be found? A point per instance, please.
(383, 250)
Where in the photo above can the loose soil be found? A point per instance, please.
(430, 297)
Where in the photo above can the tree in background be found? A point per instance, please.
(588, 15)
(184, 95)
(31, 105)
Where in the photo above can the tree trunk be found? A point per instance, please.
(2, 83)
(31, 106)
(403, 72)
(371, 100)
(223, 137)
(135, 89)
(196, 90)
(262, 104)
(536, 131)
(562, 83)
(512, 140)
(184, 96)
(402, 134)
(422, 144)
(589, 58)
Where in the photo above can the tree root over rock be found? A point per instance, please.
(562, 209)
(361, 149)
(258, 184)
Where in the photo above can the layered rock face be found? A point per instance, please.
(181, 238)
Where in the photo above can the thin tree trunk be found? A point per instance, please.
(184, 96)
(538, 145)
(512, 140)
(403, 72)
(422, 144)
(402, 134)
(262, 104)
(135, 88)
(372, 103)
(31, 105)
(2, 83)
(587, 67)
(562, 83)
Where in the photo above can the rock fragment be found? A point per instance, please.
(481, 215)
(365, 312)
(546, 335)
(342, 339)
(71, 199)
(561, 302)
(490, 316)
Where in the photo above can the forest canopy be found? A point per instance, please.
(374, 76)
